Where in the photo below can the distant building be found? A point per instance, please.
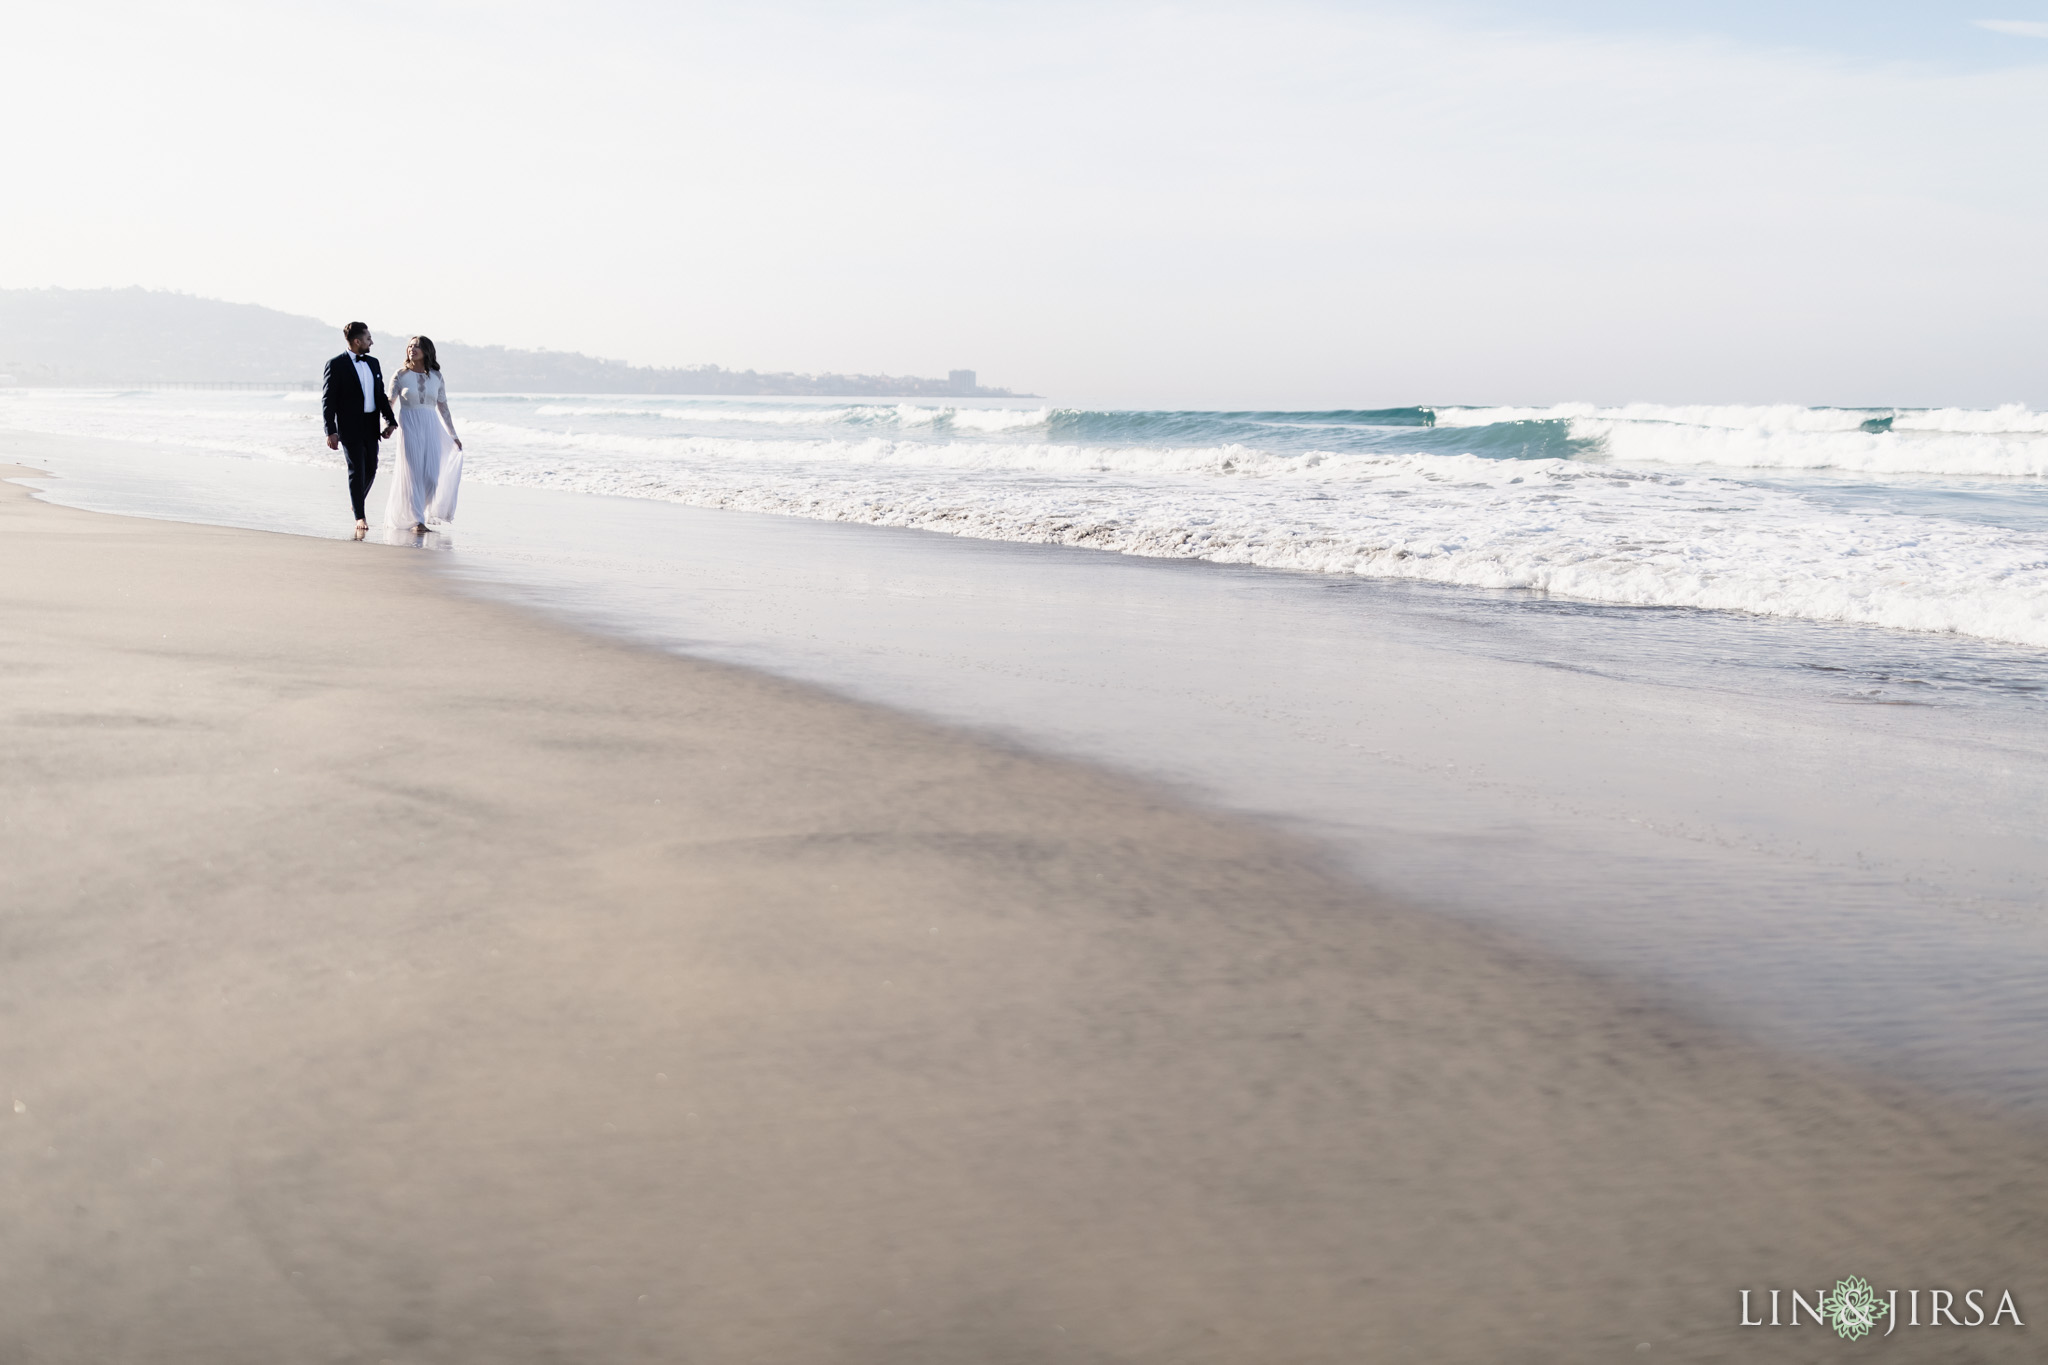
(960, 381)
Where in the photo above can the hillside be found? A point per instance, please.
(89, 337)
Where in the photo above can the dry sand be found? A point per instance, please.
(395, 976)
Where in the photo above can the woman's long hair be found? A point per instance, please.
(426, 345)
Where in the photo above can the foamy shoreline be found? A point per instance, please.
(1773, 511)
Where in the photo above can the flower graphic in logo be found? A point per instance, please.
(1852, 1309)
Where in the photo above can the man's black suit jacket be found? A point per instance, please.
(341, 396)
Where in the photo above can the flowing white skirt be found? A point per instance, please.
(427, 476)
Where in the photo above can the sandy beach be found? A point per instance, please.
(392, 975)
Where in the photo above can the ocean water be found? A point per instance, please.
(1748, 706)
(1922, 520)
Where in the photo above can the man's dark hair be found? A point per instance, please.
(354, 330)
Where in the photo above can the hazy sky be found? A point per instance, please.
(1200, 204)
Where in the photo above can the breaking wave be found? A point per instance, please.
(2006, 442)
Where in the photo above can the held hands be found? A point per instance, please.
(386, 434)
(334, 443)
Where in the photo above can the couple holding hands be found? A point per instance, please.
(358, 413)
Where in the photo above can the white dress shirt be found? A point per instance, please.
(369, 384)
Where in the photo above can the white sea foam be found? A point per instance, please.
(998, 419)
(1585, 531)
(2013, 418)
(1621, 531)
(1038, 457)
(2007, 442)
(1850, 451)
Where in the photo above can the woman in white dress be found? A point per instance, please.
(424, 485)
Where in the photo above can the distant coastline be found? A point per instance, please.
(92, 338)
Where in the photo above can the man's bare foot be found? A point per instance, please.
(361, 531)
(419, 528)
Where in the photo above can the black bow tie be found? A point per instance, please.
(360, 359)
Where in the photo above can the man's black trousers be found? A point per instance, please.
(360, 444)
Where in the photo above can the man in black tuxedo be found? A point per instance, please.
(353, 403)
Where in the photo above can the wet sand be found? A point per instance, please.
(395, 976)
